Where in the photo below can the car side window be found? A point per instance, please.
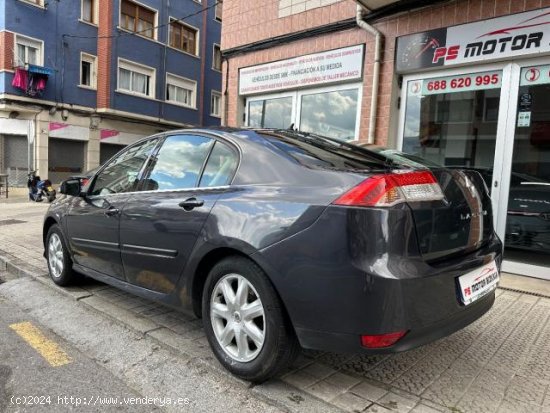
(121, 174)
(178, 163)
(220, 167)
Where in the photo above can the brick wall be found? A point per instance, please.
(246, 21)
(104, 53)
(6, 50)
(245, 24)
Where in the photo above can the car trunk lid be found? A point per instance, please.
(461, 223)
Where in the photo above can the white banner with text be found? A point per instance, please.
(311, 70)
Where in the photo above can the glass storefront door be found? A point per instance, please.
(527, 234)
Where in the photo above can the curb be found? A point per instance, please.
(170, 340)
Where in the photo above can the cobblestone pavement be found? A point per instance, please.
(500, 363)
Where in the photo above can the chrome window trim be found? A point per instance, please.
(195, 188)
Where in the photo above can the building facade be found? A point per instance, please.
(79, 79)
(462, 83)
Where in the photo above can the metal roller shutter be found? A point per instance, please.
(15, 160)
(65, 158)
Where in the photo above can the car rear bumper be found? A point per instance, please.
(339, 282)
(351, 343)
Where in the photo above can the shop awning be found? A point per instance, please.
(383, 8)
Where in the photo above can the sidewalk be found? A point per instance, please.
(15, 196)
(499, 363)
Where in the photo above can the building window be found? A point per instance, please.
(217, 59)
(219, 9)
(88, 71)
(88, 11)
(272, 112)
(216, 104)
(28, 51)
(183, 37)
(136, 79)
(181, 91)
(332, 111)
(136, 18)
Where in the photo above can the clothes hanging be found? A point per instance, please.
(36, 84)
(20, 80)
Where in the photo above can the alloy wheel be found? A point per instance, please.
(55, 255)
(238, 318)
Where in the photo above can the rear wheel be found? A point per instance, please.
(59, 260)
(244, 321)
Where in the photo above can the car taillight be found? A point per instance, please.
(390, 189)
(381, 340)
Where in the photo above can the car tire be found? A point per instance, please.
(60, 265)
(245, 355)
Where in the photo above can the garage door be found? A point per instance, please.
(15, 161)
(65, 158)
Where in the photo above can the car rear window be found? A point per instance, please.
(316, 151)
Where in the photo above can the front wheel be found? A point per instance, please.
(59, 260)
(245, 322)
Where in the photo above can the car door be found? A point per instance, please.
(93, 221)
(160, 224)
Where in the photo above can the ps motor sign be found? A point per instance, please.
(500, 38)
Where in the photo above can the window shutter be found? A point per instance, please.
(128, 8)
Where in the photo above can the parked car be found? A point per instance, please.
(281, 240)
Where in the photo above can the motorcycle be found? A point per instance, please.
(40, 189)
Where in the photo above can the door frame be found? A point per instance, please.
(516, 66)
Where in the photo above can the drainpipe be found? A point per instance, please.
(375, 73)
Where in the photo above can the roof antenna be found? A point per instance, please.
(291, 127)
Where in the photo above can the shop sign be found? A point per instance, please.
(453, 84)
(315, 69)
(500, 38)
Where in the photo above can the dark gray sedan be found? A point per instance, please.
(281, 240)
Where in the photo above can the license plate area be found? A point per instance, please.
(478, 283)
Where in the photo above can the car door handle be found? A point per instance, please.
(112, 211)
(191, 203)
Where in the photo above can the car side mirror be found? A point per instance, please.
(71, 187)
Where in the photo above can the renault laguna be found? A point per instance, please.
(281, 240)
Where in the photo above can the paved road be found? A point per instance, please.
(53, 375)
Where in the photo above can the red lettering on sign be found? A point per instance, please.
(447, 53)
